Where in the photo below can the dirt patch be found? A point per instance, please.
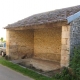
(45, 73)
(44, 67)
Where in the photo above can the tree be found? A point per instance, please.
(1, 39)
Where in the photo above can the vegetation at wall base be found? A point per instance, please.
(73, 71)
(75, 63)
(24, 71)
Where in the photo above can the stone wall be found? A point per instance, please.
(75, 34)
(42, 43)
(47, 43)
(19, 43)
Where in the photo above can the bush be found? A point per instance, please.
(73, 72)
(64, 75)
(75, 63)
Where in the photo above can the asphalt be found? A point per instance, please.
(9, 74)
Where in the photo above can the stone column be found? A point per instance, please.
(7, 41)
(65, 46)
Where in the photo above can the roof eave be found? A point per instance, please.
(35, 26)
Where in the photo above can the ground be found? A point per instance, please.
(8, 74)
(47, 68)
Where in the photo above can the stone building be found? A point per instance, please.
(45, 38)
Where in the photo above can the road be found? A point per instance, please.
(9, 74)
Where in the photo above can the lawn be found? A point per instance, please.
(24, 71)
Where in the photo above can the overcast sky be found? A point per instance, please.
(14, 10)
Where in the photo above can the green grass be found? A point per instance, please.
(24, 71)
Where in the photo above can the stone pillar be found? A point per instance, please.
(7, 42)
(65, 46)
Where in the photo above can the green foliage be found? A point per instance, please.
(75, 62)
(74, 74)
(64, 75)
(1, 39)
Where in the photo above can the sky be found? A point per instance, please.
(14, 10)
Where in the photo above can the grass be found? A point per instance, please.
(24, 71)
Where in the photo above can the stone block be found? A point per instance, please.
(65, 57)
(66, 64)
(64, 28)
(64, 41)
(65, 47)
(68, 41)
(66, 34)
(65, 53)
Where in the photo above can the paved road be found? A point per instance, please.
(8, 74)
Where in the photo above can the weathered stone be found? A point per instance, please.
(19, 42)
(47, 43)
(43, 43)
(65, 48)
(64, 41)
(64, 28)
